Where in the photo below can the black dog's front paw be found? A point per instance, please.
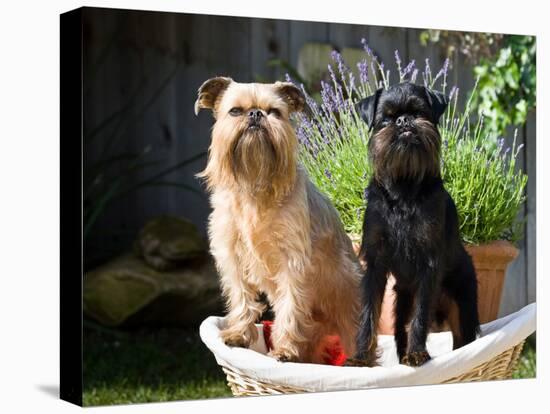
(416, 359)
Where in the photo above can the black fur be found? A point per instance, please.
(411, 228)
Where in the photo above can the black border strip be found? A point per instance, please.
(70, 388)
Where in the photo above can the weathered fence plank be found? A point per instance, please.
(515, 283)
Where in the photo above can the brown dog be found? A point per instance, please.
(270, 230)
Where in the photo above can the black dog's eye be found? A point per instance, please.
(235, 111)
(386, 121)
(274, 111)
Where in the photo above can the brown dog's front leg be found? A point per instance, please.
(293, 325)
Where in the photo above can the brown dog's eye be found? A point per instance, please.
(235, 111)
(274, 111)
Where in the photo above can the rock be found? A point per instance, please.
(126, 291)
(165, 242)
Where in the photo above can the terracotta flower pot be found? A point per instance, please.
(490, 261)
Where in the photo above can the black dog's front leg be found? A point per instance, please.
(420, 323)
(403, 308)
(373, 286)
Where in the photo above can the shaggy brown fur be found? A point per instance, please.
(270, 230)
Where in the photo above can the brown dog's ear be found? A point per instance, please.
(292, 95)
(210, 91)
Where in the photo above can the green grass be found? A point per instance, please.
(527, 366)
(170, 364)
(149, 365)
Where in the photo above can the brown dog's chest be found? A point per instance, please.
(259, 243)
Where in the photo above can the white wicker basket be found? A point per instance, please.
(492, 356)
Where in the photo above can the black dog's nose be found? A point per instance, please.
(255, 115)
(404, 121)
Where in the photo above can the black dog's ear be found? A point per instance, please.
(438, 103)
(366, 108)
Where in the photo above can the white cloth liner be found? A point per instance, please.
(496, 337)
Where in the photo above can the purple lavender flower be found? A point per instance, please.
(288, 78)
(328, 174)
(351, 81)
(500, 145)
(342, 68)
(408, 68)
(414, 75)
(366, 193)
(366, 47)
(327, 95)
(520, 146)
(397, 60)
(339, 97)
(363, 71)
(332, 75)
(455, 121)
(306, 124)
(442, 71)
(427, 73)
(454, 90)
(302, 137)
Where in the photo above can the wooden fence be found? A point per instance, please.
(142, 71)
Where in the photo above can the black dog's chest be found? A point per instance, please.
(405, 228)
(402, 234)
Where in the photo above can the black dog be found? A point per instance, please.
(411, 229)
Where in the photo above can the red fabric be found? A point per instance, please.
(333, 350)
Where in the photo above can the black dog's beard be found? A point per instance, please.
(413, 158)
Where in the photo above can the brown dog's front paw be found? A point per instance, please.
(234, 338)
(416, 359)
(370, 360)
(356, 362)
(284, 355)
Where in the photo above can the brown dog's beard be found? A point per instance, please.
(260, 162)
(254, 158)
(396, 159)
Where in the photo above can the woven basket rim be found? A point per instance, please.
(498, 368)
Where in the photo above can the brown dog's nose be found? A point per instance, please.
(404, 121)
(255, 115)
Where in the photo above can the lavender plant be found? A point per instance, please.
(483, 179)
